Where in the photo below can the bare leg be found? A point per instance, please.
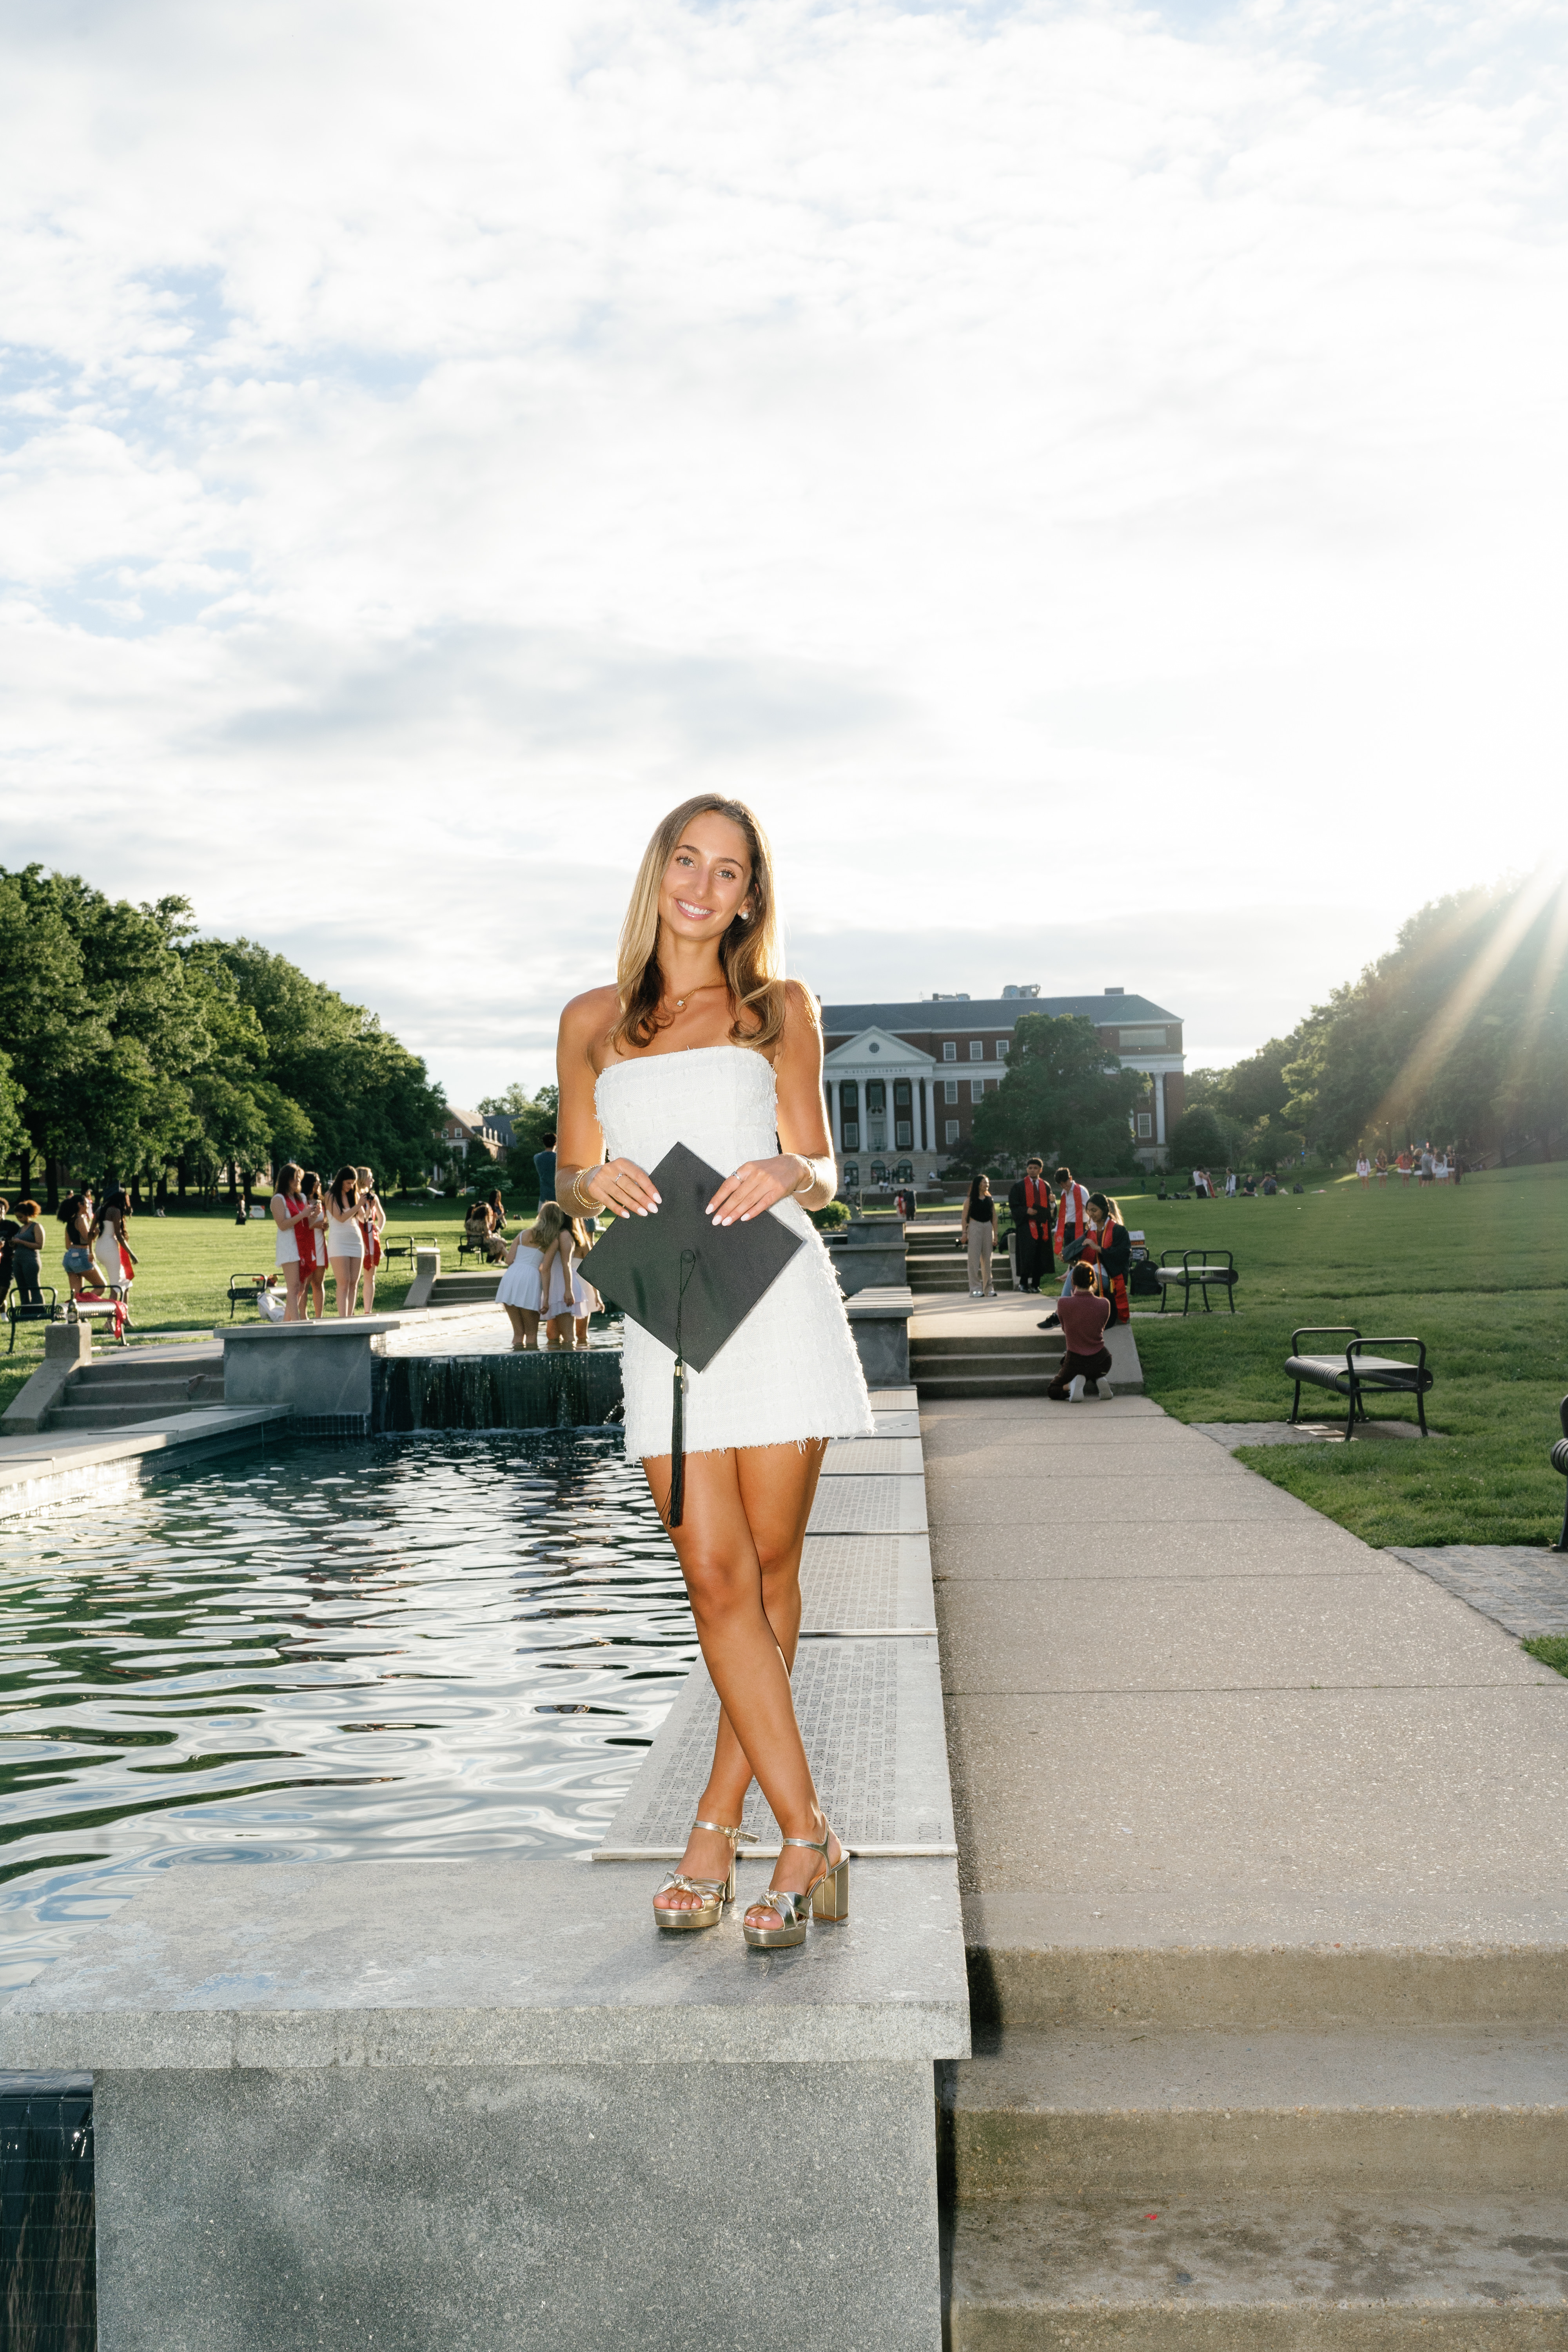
(345, 1277)
(745, 1517)
(291, 1294)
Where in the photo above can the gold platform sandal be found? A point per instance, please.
(715, 1891)
(826, 1897)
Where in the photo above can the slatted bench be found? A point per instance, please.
(1350, 1374)
(111, 1307)
(247, 1288)
(25, 1310)
(1559, 1463)
(1215, 1270)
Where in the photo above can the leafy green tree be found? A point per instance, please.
(1200, 1139)
(1065, 1096)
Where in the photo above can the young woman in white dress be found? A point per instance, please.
(526, 1287)
(701, 1041)
(345, 1237)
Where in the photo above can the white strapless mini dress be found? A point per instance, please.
(791, 1372)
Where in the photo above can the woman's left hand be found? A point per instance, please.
(756, 1185)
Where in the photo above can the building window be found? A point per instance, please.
(849, 1114)
(976, 1090)
(878, 1173)
(851, 1135)
(950, 1089)
(977, 1049)
(1145, 1126)
(851, 1177)
(903, 1115)
(949, 1050)
(904, 1174)
(876, 1097)
(952, 1132)
(903, 1134)
(1002, 1045)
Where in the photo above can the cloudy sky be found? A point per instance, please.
(1095, 476)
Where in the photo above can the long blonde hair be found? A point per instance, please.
(751, 953)
(547, 1226)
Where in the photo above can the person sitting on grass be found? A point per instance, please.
(1084, 1317)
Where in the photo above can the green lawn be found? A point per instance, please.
(1479, 1272)
(184, 1261)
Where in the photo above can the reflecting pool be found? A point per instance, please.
(454, 1644)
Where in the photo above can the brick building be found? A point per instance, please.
(902, 1080)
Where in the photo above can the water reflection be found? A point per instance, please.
(452, 1644)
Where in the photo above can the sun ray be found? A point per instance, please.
(1452, 1017)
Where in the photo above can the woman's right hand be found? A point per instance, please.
(623, 1187)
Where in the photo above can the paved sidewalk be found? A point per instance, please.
(1182, 1707)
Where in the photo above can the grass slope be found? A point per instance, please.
(1479, 1272)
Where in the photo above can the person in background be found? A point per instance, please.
(497, 1207)
(371, 1224)
(544, 1167)
(571, 1302)
(346, 1242)
(1271, 1185)
(1072, 1213)
(1403, 1164)
(1363, 1171)
(1381, 1164)
(1230, 1182)
(478, 1230)
(533, 1273)
(110, 1248)
(26, 1253)
(1030, 1202)
(1086, 1359)
(1428, 1164)
(1455, 1162)
(9, 1228)
(77, 1219)
(313, 1274)
(976, 1235)
(294, 1249)
(1113, 1247)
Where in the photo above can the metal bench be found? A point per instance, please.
(1215, 1270)
(390, 1250)
(1559, 1463)
(24, 1310)
(1350, 1374)
(110, 1305)
(247, 1287)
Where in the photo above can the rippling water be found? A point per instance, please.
(448, 1645)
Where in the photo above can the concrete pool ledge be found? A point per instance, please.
(486, 2102)
(56, 1467)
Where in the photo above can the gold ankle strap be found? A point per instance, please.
(721, 1829)
(812, 1843)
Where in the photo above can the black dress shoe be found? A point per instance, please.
(1051, 1323)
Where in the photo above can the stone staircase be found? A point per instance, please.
(935, 1263)
(474, 1286)
(1007, 1364)
(118, 1392)
(1263, 2149)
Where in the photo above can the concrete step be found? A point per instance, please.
(1260, 2275)
(97, 1388)
(1260, 2187)
(65, 1417)
(464, 1289)
(1437, 2111)
(929, 1347)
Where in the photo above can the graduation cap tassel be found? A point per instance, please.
(677, 1417)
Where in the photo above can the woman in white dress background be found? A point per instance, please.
(526, 1289)
(701, 1041)
(345, 1238)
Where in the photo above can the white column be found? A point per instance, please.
(1159, 1105)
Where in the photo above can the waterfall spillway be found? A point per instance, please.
(574, 1389)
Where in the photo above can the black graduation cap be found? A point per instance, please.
(689, 1282)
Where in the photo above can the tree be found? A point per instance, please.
(533, 1117)
(1199, 1140)
(1065, 1096)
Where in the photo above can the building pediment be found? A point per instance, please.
(873, 1051)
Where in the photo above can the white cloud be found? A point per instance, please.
(1068, 466)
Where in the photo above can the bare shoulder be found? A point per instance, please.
(587, 1020)
(803, 1019)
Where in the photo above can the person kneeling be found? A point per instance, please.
(1084, 1315)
